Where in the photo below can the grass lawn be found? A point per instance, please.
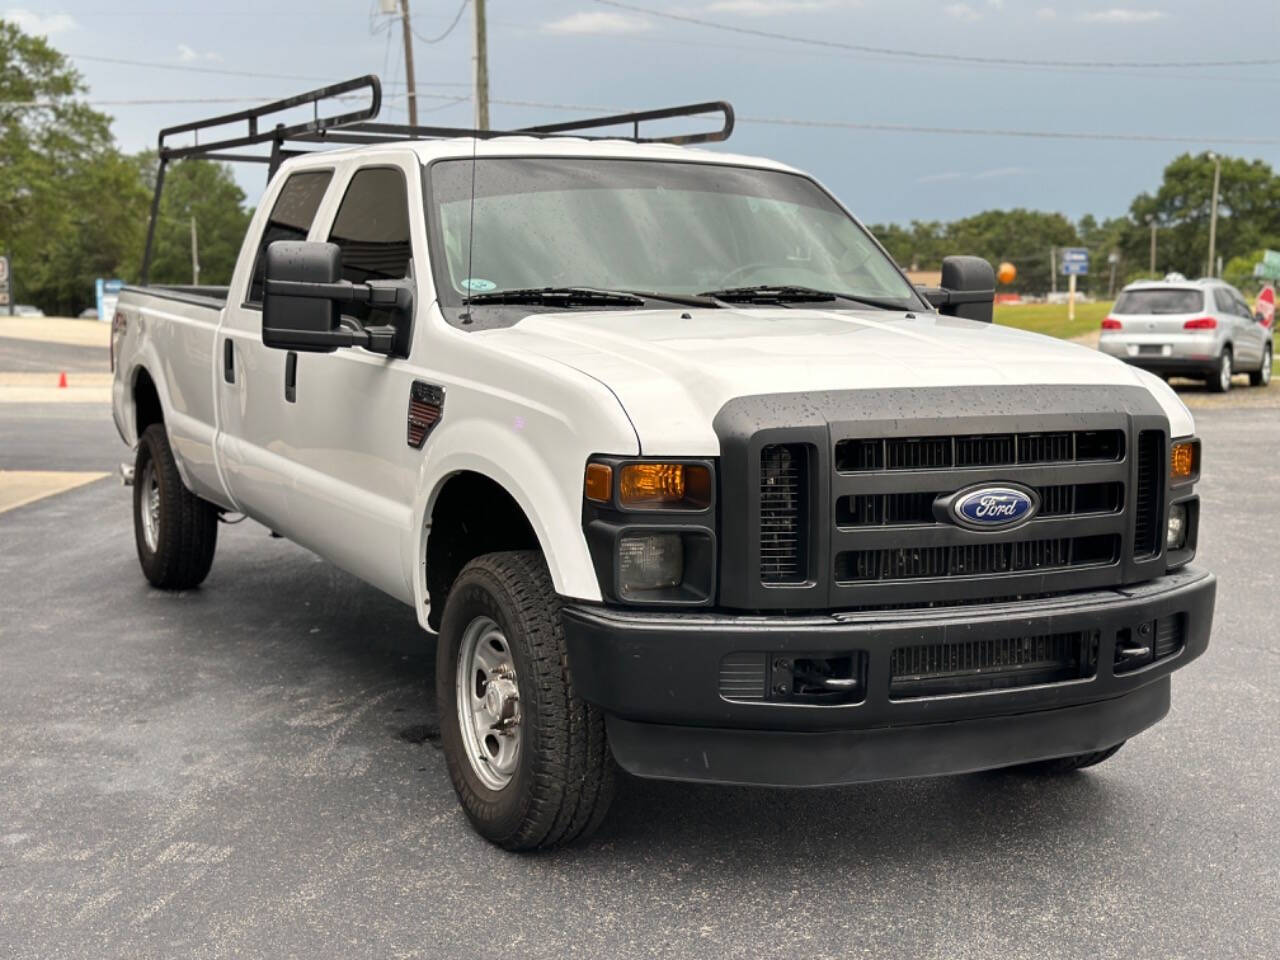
(1051, 318)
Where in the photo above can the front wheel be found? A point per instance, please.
(528, 758)
(1220, 380)
(1079, 761)
(174, 530)
(1262, 376)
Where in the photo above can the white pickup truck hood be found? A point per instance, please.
(672, 370)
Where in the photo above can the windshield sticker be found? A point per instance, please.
(478, 285)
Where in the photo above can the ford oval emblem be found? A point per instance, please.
(989, 507)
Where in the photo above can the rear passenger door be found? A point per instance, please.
(1253, 331)
(1241, 336)
(354, 473)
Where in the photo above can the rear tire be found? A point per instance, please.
(1061, 765)
(174, 530)
(1220, 380)
(1262, 376)
(501, 632)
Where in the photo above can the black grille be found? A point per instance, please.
(912, 509)
(975, 559)
(968, 666)
(783, 513)
(1148, 506)
(984, 450)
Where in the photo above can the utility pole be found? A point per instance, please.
(1053, 270)
(482, 67)
(1213, 214)
(195, 255)
(1152, 220)
(408, 63)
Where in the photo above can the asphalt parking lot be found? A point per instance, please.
(251, 769)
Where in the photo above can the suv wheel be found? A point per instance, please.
(527, 757)
(1220, 380)
(1262, 376)
(174, 530)
(1078, 761)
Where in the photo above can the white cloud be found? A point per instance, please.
(599, 23)
(995, 173)
(38, 23)
(189, 55)
(961, 11)
(1047, 13)
(773, 8)
(1122, 15)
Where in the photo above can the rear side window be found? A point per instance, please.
(290, 218)
(1223, 299)
(1156, 301)
(372, 228)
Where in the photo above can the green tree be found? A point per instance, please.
(207, 192)
(1248, 213)
(1022, 237)
(71, 206)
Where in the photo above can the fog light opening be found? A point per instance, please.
(650, 562)
(1176, 536)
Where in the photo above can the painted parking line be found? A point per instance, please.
(20, 487)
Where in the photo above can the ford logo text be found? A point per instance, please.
(989, 507)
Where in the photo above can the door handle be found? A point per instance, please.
(229, 360)
(291, 377)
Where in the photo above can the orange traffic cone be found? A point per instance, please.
(62, 379)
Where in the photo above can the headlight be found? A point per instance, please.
(1176, 536)
(665, 486)
(650, 562)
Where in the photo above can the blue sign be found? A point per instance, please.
(1075, 260)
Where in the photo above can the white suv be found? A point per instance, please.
(1197, 328)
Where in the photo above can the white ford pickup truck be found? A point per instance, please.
(686, 475)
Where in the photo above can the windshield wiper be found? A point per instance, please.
(561, 297)
(785, 293)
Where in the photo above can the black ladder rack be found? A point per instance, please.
(358, 127)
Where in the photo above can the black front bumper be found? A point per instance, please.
(1193, 367)
(657, 676)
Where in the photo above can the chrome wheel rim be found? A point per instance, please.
(488, 701)
(149, 484)
(1224, 371)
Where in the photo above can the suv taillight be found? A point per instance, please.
(1201, 323)
(1111, 323)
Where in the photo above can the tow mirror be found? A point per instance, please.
(968, 289)
(304, 291)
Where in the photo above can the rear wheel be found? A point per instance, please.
(1220, 380)
(527, 757)
(1079, 761)
(174, 530)
(1262, 376)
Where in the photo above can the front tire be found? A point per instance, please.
(1220, 380)
(1262, 376)
(528, 758)
(1061, 765)
(175, 531)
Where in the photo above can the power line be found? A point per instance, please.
(927, 55)
(448, 30)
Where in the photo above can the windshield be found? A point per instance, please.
(1159, 301)
(646, 227)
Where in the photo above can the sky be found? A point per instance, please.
(1083, 68)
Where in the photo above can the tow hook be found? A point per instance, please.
(126, 474)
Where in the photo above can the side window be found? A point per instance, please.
(290, 218)
(372, 228)
(1242, 306)
(1223, 301)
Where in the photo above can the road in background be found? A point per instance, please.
(252, 769)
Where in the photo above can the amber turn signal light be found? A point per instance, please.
(599, 483)
(1184, 461)
(672, 486)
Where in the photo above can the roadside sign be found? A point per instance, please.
(1272, 259)
(1266, 306)
(108, 292)
(1075, 262)
(1267, 269)
(4, 286)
